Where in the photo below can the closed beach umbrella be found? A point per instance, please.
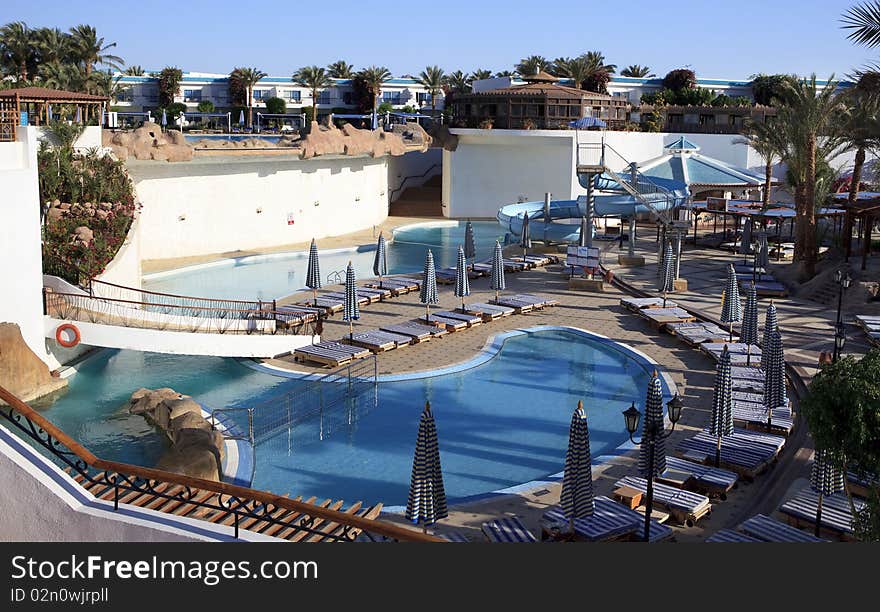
(79, 115)
(241, 118)
(426, 503)
(164, 117)
(428, 291)
(770, 326)
(313, 273)
(749, 332)
(49, 113)
(666, 273)
(462, 285)
(576, 497)
(731, 306)
(497, 281)
(775, 395)
(352, 311)
(826, 478)
(525, 239)
(380, 261)
(721, 420)
(470, 247)
(654, 415)
(583, 236)
(745, 245)
(764, 253)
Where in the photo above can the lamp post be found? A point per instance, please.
(843, 281)
(652, 433)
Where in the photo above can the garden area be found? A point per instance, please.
(88, 206)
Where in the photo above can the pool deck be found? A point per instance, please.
(806, 330)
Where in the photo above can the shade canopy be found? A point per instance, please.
(770, 326)
(682, 162)
(587, 122)
(462, 284)
(749, 332)
(380, 260)
(826, 477)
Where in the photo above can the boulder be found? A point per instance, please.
(83, 235)
(54, 214)
(192, 461)
(190, 422)
(150, 142)
(181, 406)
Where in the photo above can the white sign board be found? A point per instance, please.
(582, 257)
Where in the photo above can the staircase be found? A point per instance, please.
(828, 292)
(424, 201)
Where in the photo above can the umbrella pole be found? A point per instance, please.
(350, 330)
(730, 329)
(718, 453)
(818, 516)
(427, 313)
(664, 298)
(315, 296)
(749, 354)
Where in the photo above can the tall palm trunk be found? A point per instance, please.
(768, 181)
(858, 164)
(22, 71)
(250, 95)
(433, 98)
(811, 252)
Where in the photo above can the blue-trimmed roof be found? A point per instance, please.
(681, 144)
(693, 168)
(217, 78)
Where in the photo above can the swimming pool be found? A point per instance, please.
(231, 137)
(501, 422)
(267, 277)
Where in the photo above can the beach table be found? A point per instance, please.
(379, 341)
(836, 520)
(489, 312)
(768, 529)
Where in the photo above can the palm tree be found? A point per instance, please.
(505, 73)
(864, 21)
(374, 77)
(806, 138)
(532, 65)
(248, 77)
(480, 74)
(596, 61)
(53, 45)
(91, 49)
(341, 70)
(315, 78)
(16, 46)
(431, 78)
(638, 71)
(56, 75)
(764, 140)
(577, 69)
(134, 71)
(458, 82)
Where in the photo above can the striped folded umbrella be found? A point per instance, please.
(576, 497)
(428, 291)
(241, 117)
(666, 273)
(775, 395)
(525, 239)
(721, 420)
(426, 503)
(164, 117)
(748, 333)
(470, 247)
(654, 415)
(584, 235)
(764, 252)
(497, 281)
(770, 326)
(462, 285)
(352, 311)
(313, 271)
(731, 306)
(745, 245)
(826, 478)
(380, 260)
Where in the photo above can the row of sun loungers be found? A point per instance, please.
(762, 528)
(611, 521)
(836, 520)
(703, 478)
(871, 327)
(742, 453)
(524, 302)
(687, 507)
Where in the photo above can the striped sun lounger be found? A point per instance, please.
(636, 304)
(489, 312)
(453, 536)
(451, 325)
(379, 341)
(745, 459)
(707, 479)
(686, 506)
(363, 300)
(730, 536)
(696, 332)
(755, 415)
(464, 317)
(507, 529)
(800, 511)
(610, 521)
(768, 288)
(861, 485)
(513, 266)
(325, 355)
(768, 529)
(417, 330)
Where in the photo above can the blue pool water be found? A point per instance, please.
(500, 424)
(274, 276)
(232, 137)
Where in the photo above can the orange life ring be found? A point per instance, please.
(60, 338)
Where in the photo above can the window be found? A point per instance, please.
(192, 95)
(423, 98)
(261, 94)
(324, 97)
(293, 95)
(346, 98)
(392, 97)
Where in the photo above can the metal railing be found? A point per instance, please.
(407, 178)
(206, 497)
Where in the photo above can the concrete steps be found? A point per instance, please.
(424, 201)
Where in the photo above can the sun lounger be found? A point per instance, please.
(511, 265)
(451, 325)
(489, 312)
(768, 529)
(658, 317)
(836, 520)
(636, 304)
(519, 306)
(398, 285)
(755, 416)
(483, 268)
(322, 354)
(330, 305)
(610, 521)
(507, 529)
(419, 332)
(704, 478)
(379, 341)
(686, 506)
(861, 485)
(453, 536)
(729, 536)
(745, 278)
(746, 268)
(363, 300)
(469, 319)
(696, 332)
(374, 294)
(747, 460)
(767, 288)
(538, 300)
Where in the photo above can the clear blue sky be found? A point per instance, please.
(716, 39)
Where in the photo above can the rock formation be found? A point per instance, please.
(149, 142)
(196, 448)
(21, 371)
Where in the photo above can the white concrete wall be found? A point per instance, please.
(413, 165)
(491, 168)
(222, 204)
(21, 273)
(89, 139)
(125, 269)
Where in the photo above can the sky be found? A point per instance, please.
(716, 39)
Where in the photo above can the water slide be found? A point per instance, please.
(611, 200)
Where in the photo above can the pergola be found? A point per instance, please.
(36, 101)
(867, 211)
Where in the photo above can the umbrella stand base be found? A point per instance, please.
(630, 260)
(596, 285)
(680, 284)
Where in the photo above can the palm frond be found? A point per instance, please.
(864, 22)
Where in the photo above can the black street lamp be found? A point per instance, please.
(652, 433)
(843, 281)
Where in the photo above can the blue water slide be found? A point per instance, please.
(611, 200)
